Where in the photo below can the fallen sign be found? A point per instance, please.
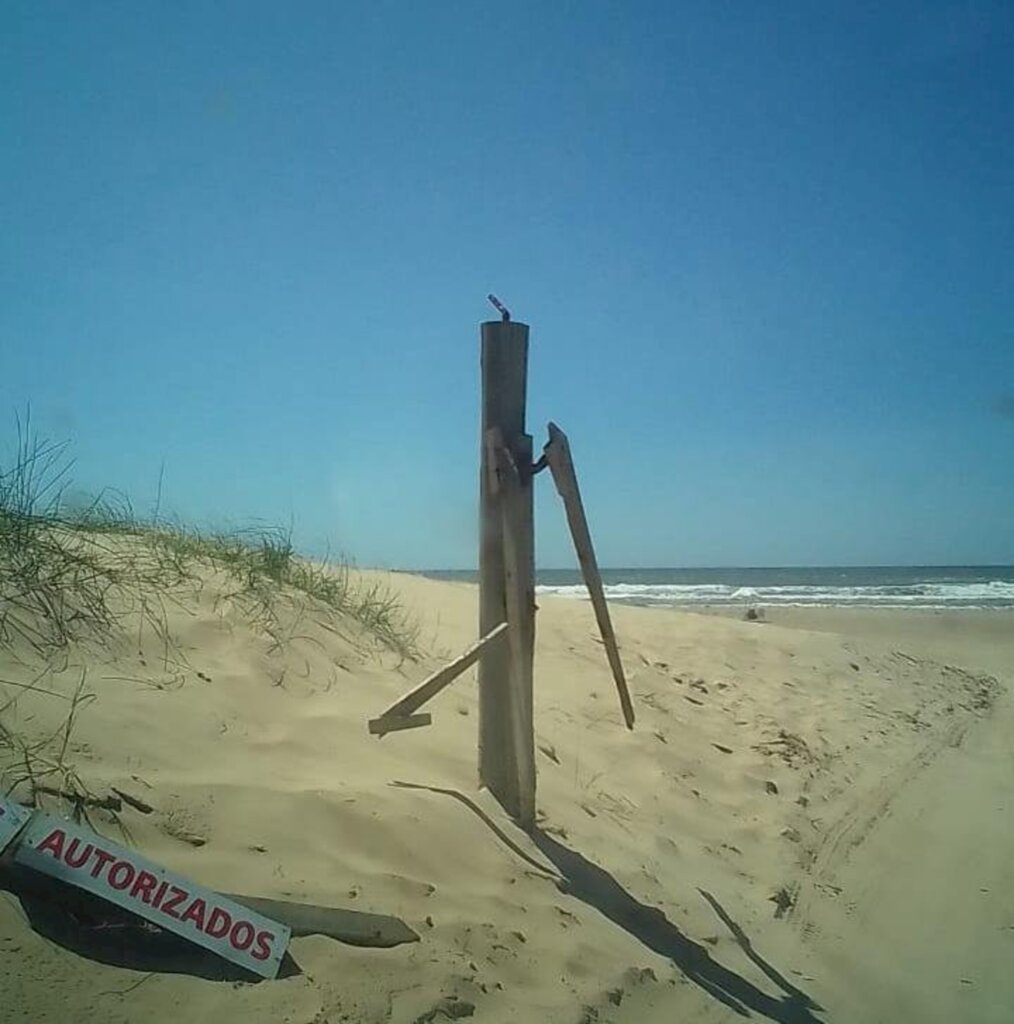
(80, 857)
(13, 818)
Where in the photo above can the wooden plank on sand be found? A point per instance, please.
(432, 685)
(357, 929)
(561, 465)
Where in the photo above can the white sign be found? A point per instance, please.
(12, 819)
(79, 856)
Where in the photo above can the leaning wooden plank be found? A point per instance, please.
(432, 685)
(561, 465)
(396, 723)
(519, 592)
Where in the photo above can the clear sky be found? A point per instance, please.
(765, 249)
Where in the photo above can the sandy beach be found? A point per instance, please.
(810, 821)
(506, 513)
(970, 637)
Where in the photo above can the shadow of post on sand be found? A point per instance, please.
(594, 886)
(587, 882)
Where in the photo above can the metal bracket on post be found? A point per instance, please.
(536, 467)
(505, 313)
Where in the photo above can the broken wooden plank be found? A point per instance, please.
(561, 465)
(396, 723)
(432, 685)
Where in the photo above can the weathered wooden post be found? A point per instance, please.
(506, 572)
(505, 649)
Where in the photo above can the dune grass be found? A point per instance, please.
(72, 575)
(263, 562)
(69, 574)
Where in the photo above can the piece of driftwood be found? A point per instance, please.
(104, 803)
(561, 465)
(133, 801)
(351, 926)
(432, 685)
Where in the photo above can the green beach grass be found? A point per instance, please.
(68, 573)
(89, 576)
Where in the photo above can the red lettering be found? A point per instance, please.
(143, 885)
(119, 878)
(219, 923)
(248, 935)
(71, 858)
(263, 950)
(102, 858)
(195, 913)
(160, 895)
(176, 897)
(53, 843)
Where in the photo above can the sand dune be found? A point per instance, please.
(734, 854)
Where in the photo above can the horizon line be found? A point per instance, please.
(720, 568)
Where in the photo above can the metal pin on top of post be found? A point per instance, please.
(505, 313)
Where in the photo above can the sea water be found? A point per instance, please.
(817, 586)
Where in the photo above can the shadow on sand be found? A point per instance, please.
(594, 886)
(105, 933)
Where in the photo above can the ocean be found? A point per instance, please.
(980, 586)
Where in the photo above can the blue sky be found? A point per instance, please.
(765, 250)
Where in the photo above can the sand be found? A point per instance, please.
(809, 822)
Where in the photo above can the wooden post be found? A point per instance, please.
(519, 580)
(505, 688)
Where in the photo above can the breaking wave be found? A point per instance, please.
(991, 594)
